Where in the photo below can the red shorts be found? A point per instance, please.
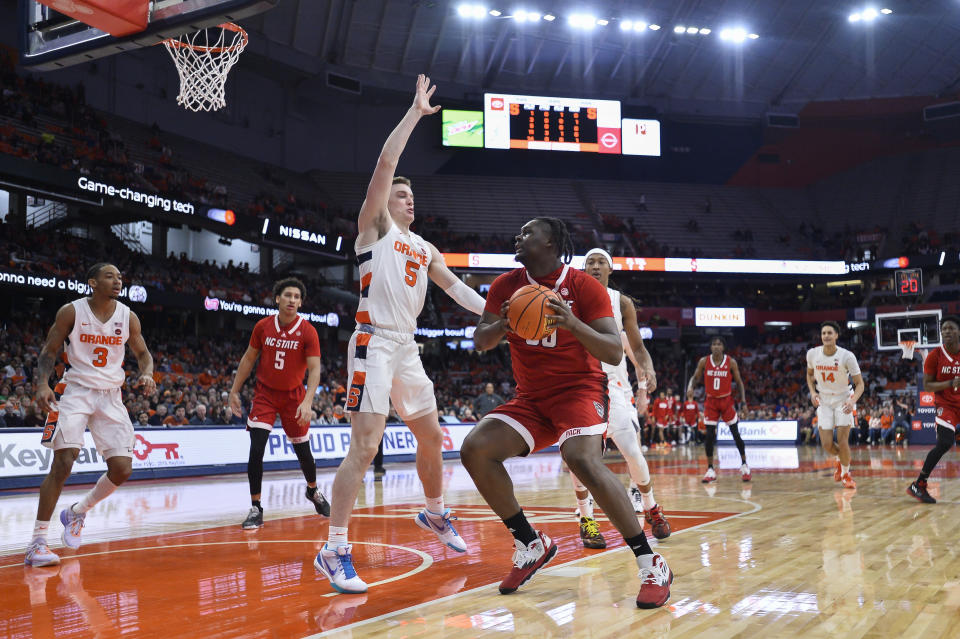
(268, 403)
(543, 422)
(948, 417)
(717, 409)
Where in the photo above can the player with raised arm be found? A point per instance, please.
(96, 329)
(383, 359)
(718, 371)
(623, 424)
(830, 369)
(941, 376)
(561, 398)
(288, 346)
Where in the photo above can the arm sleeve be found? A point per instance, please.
(466, 297)
(311, 345)
(256, 337)
(593, 300)
(496, 295)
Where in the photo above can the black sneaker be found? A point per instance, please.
(319, 502)
(918, 490)
(254, 519)
(590, 534)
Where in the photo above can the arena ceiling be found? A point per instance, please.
(806, 50)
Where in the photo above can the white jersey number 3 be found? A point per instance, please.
(547, 342)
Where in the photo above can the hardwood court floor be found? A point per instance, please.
(789, 554)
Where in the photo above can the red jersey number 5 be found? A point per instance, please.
(412, 270)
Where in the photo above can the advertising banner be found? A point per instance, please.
(923, 426)
(761, 432)
(176, 448)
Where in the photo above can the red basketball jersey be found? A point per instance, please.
(661, 411)
(284, 351)
(690, 413)
(717, 378)
(542, 367)
(943, 367)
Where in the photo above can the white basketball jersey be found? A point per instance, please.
(393, 280)
(95, 349)
(617, 377)
(833, 372)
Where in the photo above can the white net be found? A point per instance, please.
(203, 60)
(907, 347)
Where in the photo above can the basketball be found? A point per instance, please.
(528, 311)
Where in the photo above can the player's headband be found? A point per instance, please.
(597, 251)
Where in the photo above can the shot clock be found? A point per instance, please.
(908, 282)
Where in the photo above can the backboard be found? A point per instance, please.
(50, 40)
(923, 327)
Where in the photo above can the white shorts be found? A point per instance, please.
(622, 416)
(384, 367)
(100, 410)
(830, 412)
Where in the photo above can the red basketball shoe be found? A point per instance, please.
(656, 578)
(527, 560)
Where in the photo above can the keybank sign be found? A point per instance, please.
(165, 449)
(22, 454)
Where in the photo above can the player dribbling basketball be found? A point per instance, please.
(561, 398)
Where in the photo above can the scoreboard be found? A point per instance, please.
(559, 124)
(565, 124)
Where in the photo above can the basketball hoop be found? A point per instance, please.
(907, 347)
(203, 61)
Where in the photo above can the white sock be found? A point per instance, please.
(648, 500)
(586, 508)
(100, 491)
(435, 505)
(40, 529)
(844, 470)
(338, 537)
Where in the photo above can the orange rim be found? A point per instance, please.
(226, 26)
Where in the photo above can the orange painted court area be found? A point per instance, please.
(224, 581)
